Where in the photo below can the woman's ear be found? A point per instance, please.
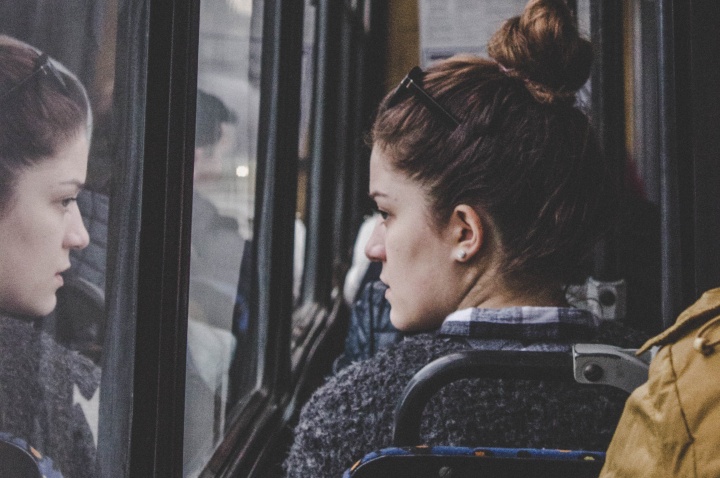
(468, 232)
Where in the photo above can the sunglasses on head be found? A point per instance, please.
(412, 85)
(43, 66)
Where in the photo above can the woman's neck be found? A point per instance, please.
(493, 291)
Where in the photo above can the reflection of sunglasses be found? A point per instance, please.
(412, 84)
(44, 65)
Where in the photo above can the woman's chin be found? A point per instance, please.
(30, 310)
(401, 321)
(415, 324)
(41, 309)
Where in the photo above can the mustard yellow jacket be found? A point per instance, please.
(671, 425)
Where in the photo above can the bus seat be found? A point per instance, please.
(586, 363)
(455, 462)
(609, 365)
(20, 460)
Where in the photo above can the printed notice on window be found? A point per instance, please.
(448, 27)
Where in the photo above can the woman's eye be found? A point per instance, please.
(66, 202)
(382, 213)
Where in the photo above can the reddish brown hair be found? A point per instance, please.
(523, 154)
(36, 118)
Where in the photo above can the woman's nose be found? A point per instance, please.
(375, 247)
(76, 236)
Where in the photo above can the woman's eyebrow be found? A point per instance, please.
(374, 194)
(73, 182)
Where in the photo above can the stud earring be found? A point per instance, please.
(461, 255)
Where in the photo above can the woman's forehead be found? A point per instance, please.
(382, 173)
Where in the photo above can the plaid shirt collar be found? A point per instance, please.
(525, 324)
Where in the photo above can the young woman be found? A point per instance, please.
(45, 127)
(492, 191)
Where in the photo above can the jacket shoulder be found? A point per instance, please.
(704, 310)
(669, 426)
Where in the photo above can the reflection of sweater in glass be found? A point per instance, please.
(352, 413)
(217, 250)
(46, 392)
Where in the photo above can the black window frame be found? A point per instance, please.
(157, 77)
(168, 139)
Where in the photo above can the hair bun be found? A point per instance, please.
(543, 47)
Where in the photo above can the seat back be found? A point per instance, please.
(456, 462)
(588, 364)
(601, 365)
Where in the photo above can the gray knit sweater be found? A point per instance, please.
(40, 385)
(352, 413)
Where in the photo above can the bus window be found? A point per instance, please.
(304, 144)
(221, 345)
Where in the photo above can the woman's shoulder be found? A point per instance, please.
(59, 367)
(14, 330)
(367, 391)
(53, 386)
(398, 362)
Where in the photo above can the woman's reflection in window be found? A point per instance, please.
(48, 394)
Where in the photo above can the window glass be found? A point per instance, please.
(584, 95)
(222, 348)
(639, 247)
(448, 27)
(305, 143)
(53, 258)
(642, 95)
